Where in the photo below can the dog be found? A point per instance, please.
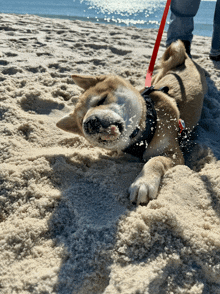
(112, 114)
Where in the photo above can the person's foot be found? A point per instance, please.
(187, 45)
(214, 54)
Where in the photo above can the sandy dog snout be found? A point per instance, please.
(103, 125)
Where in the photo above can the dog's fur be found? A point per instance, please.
(110, 110)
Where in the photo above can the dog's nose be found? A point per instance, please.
(92, 125)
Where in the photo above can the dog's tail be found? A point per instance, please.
(174, 56)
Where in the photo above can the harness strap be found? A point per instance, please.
(145, 94)
(140, 145)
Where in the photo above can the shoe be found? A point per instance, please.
(214, 57)
(187, 45)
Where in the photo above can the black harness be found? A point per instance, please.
(138, 147)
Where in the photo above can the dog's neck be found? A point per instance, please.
(143, 140)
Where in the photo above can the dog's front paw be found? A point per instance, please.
(144, 189)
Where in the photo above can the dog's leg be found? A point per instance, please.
(146, 185)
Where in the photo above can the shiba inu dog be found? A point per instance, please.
(112, 114)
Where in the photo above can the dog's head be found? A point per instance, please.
(107, 113)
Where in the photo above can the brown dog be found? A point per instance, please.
(112, 114)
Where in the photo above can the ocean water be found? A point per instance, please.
(142, 14)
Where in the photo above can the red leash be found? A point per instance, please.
(157, 45)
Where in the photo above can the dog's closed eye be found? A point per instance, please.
(102, 101)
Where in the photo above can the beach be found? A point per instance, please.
(67, 225)
(143, 14)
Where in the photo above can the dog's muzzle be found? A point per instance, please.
(109, 129)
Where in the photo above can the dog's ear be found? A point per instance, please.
(69, 124)
(86, 82)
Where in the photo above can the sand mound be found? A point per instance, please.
(66, 222)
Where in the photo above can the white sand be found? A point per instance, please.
(66, 222)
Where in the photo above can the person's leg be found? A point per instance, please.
(215, 49)
(182, 25)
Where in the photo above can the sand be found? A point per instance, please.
(66, 222)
